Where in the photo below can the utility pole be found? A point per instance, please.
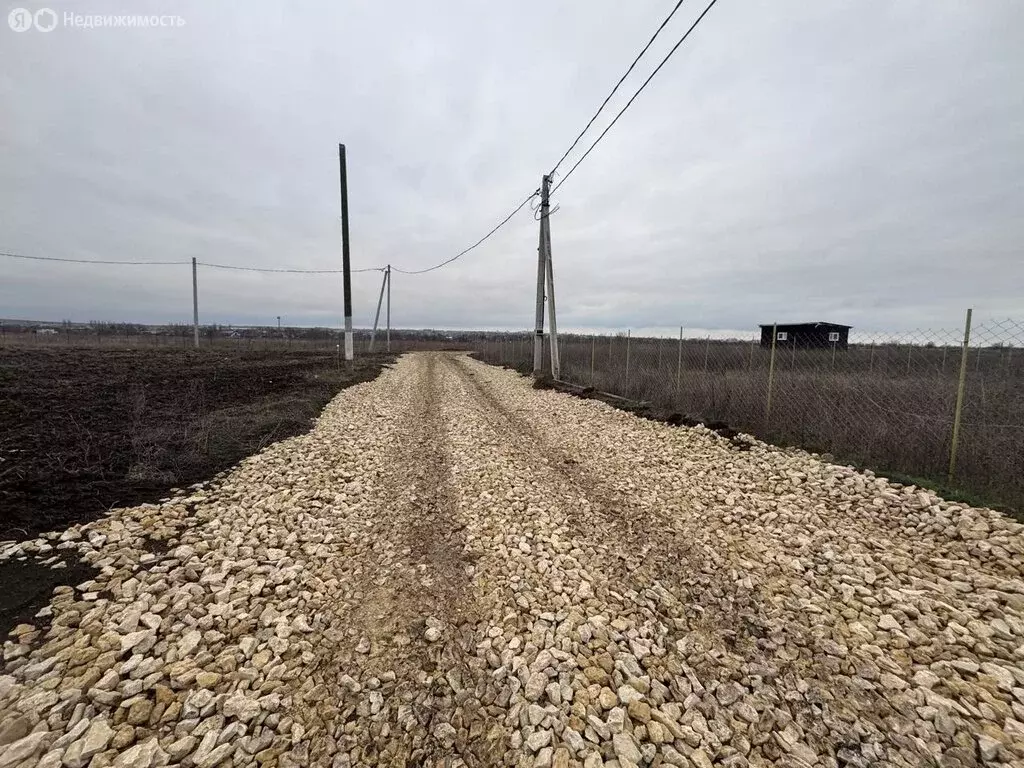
(376, 317)
(345, 263)
(389, 308)
(545, 227)
(195, 304)
(538, 338)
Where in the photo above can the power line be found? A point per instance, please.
(91, 261)
(616, 88)
(632, 66)
(294, 271)
(459, 255)
(184, 263)
(500, 224)
(633, 97)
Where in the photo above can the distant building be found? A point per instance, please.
(806, 335)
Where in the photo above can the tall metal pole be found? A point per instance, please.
(345, 262)
(545, 224)
(389, 308)
(376, 317)
(538, 337)
(195, 304)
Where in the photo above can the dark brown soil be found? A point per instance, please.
(82, 430)
(26, 586)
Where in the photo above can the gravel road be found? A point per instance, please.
(455, 569)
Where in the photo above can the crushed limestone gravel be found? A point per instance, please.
(455, 569)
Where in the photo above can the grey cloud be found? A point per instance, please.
(827, 161)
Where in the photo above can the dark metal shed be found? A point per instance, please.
(806, 335)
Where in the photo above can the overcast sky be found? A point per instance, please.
(855, 162)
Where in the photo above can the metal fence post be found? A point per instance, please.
(954, 440)
(626, 384)
(771, 379)
(679, 365)
(593, 348)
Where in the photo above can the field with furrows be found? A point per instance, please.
(453, 568)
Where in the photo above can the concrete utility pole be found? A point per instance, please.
(545, 273)
(538, 338)
(545, 225)
(376, 317)
(389, 308)
(345, 263)
(195, 304)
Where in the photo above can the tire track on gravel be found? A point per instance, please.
(420, 519)
(406, 665)
(649, 600)
(662, 552)
(698, 600)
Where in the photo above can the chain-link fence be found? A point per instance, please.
(886, 401)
